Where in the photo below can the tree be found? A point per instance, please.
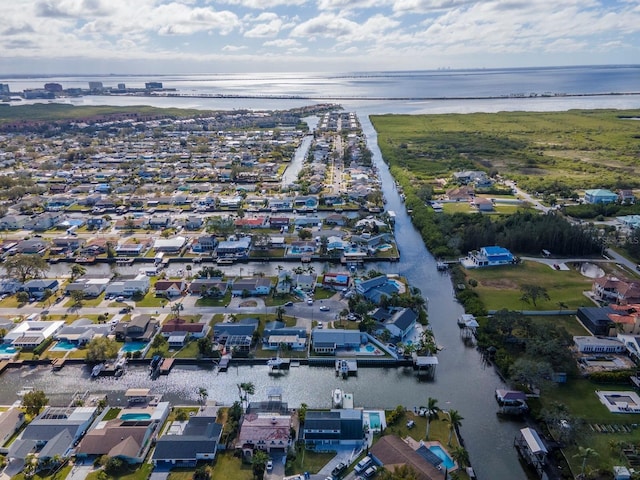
(461, 456)
(159, 343)
(34, 401)
(401, 472)
(25, 267)
(77, 296)
(530, 372)
(585, 453)
(77, 270)
(202, 395)
(244, 390)
(533, 293)
(176, 308)
(259, 461)
(302, 413)
(203, 472)
(279, 313)
(305, 234)
(455, 421)
(431, 412)
(22, 297)
(101, 349)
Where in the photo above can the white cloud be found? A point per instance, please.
(234, 48)
(264, 4)
(283, 43)
(269, 29)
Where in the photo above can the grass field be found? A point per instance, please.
(579, 148)
(499, 287)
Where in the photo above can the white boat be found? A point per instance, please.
(274, 362)
(336, 395)
(97, 369)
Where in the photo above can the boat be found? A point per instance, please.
(274, 362)
(155, 362)
(442, 266)
(336, 396)
(97, 370)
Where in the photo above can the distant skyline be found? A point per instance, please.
(229, 36)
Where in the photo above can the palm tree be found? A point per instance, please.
(259, 461)
(202, 395)
(585, 453)
(432, 412)
(454, 420)
(77, 271)
(244, 390)
(460, 456)
(279, 312)
(176, 308)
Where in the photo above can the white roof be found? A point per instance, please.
(534, 442)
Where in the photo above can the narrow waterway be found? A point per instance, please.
(462, 381)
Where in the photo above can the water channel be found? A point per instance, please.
(462, 381)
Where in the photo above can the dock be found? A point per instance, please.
(346, 367)
(223, 364)
(57, 364)
(347, 401)
(166, 366)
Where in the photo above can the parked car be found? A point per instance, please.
(341, 467)
(362, 464)
(370, 472)
(288, 304)
(310, 301)
(269, 465)
(120, 299)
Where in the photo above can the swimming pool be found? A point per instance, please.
(135, 416)
(7, 350)
(442, 455)
(133, 347)
(374, 421)
(63, 346)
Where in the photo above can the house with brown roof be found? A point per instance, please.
(392, 452)
(170, 288)
(615, 290)
(178, 330)
(264, 431)
(460, 194)
(140, 328)
(126, 440)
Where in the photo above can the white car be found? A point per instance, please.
(324, 308)
(269, 465)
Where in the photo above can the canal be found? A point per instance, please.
(462, 381)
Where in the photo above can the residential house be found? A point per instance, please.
(305, 282)
(141, 328)
(599, 345)
(193, 222)
(330, 340)
(626, 197)
(336, 280)
(133, 286)
(276, 334)
(476, 177)
(615, 290)
(215, 287)
(11, 420)
(488, 257)
(251, 286)
(9, 286)
(236, 337)
(90, 287)
(305, 202)
(235, 248)
(251, 222)
(596, 320)
(44, 221)
(285, 281)
(33, 246)
(29, 334)
(130, 248)
(376, 288)
(483, 204)
(186, 443)
(178, 330)
(82, 331)
(53, 433)
(326, 430)
(280, 204)
(39, 287)
(335, 219)
(301, 248)
(626, 318)
(204, 244)
(393, 452)
(170, 288)
(171, 245)
(268, 432)
(13, 222)
(279, 222)
(307, 222)
(600, 196)
(460, 194)
(66, 245)
(401, 323)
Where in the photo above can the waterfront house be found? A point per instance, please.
(13, 222)
(37, 288)
(392, 452)
(276, 334)
(596, 320)
(141, 328)
(269, 432)
(598, 345)
(82, 331)
(251, 222)
(326, 430)
(284, 282)
(236, 248)
(615, 290)
(328, 341)
(225, 330)
(171, 245)
(130, 248)
(305, 282)
(374, 289)
(34, 246)
(279, 222)
(178, 330)
(52, 433)
(336, 280)
(204, 244)
(488, 257)
(29, 333)
(600, 196)
(186, 443)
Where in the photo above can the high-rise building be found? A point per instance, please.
(4, 88)
(96, 86)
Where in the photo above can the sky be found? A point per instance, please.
(229, 36)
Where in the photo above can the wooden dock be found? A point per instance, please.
(166, 366)
(57, 364)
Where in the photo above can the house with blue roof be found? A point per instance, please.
(488, 257)
(401, 323)
(376, 288)
(276, 334)
(600, 196)
(328, 341)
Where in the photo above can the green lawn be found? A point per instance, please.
(307, 461)
(499, 287)
(141, 473)
(58, 475)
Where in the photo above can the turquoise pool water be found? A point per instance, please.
(133, 347)
(135, 416)
(7, 350)
(374, 420)
(63, 346)
(442, 455)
